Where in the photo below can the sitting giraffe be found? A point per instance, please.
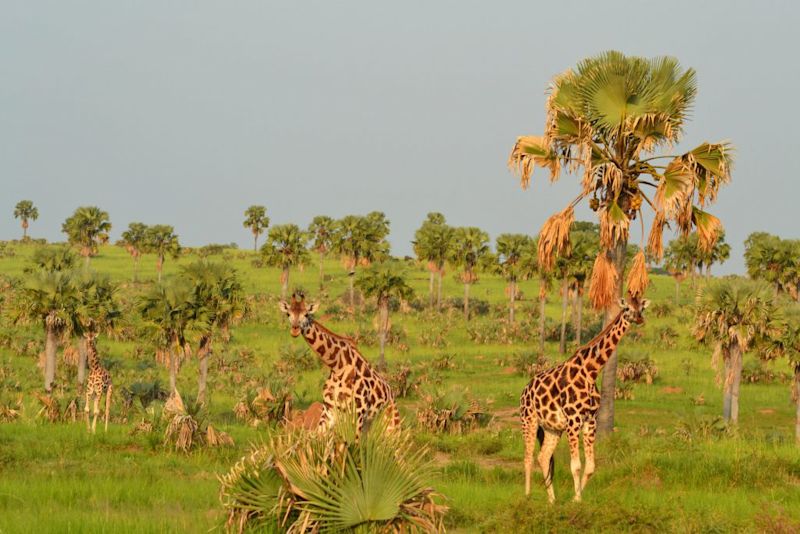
(352, 383)
(98, 382)
(565, 398)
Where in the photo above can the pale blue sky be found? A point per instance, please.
(187, 112)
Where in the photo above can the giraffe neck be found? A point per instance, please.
(91, 354)
(324, 342)
(594, 355)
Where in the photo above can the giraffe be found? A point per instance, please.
(99, 381)
(352, 383)
(565, 398)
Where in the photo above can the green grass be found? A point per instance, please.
(664, 469)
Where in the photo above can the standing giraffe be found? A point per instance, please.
(352, 383)
(565, 398)
(99, 381)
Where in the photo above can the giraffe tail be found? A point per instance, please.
(540, 439)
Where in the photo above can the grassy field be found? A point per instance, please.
(669, 466)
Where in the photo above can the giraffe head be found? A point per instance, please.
(633, 309)
(299, 314)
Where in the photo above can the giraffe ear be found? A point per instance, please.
(622, 304)
(313, 307)
(283, 306)
(645, 303)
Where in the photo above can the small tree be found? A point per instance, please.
(26, 211)
(384, 281)
(87, 228)
(470, 248)
(257, 221)
(511, 249)
(321, 231)
(432, 243)
(161, 240)
(134, 239)
(285, 248)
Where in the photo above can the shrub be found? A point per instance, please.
(271, 402)
(453, 412)
(660, 309)
(530, 364)
(188, 427)
(435, 334)
(641, 370)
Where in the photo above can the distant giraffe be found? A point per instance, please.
(565, 398)
(352, 383)
(99, 382)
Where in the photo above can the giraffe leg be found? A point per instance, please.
(325, 420)
(96, 411)
(574, 437)
(108, 404)
(529, 428)
(589, 428)
(86, 410)
(545, 456)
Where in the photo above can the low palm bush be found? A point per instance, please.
(188, 427)
(453, 412)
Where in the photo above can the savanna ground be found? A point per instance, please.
(669, 466)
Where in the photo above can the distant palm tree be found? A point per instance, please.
(285, 248)
(774, 260)
(735, 316)
(383, 281)
(321, 231)
(257, 221)
(26, 211)
(168, 309)
(134, 239)
(51, 297)
(97, 311)
(431, 245)
(469, 249)
(161, 240)
(585, 243)
(87, 228)
(511, 249)
(679, 262)
(52, 258)
(360, 241)
(217, 302)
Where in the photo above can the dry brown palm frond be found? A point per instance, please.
(70, 356)
(71, 411)
(174, 405)
(614, 225)
(50, 409)
(218, 438)
(637, 277)
(181, 430)
(655, 241)
(554, 237)
(603, 282)
(709, 228)
(530, 151)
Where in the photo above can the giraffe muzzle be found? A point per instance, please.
(295, 331)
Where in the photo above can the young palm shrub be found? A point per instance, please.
(453, 412)
(269, 403)
(299, 481)
(188, 427)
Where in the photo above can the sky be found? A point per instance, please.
(187, 112)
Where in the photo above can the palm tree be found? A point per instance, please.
(431, 245)
(161, 240)
(735, 316)
(774, 260)
(321, 231)
(87, 228)
(50, 297)
(26, 211)
(511, 249)
(585, 242)
(134, 239)
(361, 241)
(610, 116)
(168, 309)
(719, 254)
(383, 281)
(217, 302)
(257, 221)
(52, 258)
(285, 248)
(679, 262)
(470, 248)
(96, 312)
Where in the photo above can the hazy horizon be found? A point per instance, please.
(168, 114)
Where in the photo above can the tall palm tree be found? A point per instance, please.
(51, 297)
(161, 240)
(735, 316)
(217, 302)
(679, 261)
(87, 228)
(610, 117)
(97, 311)
(285, 248)
(431, 245)
(511, 249)
(383, 281)
(26, 211)
(470, 248)
(168, 310)
(134, 239)
(360, 241)
(257, 221)
(585, 242)
(718, 254)
(321, 231)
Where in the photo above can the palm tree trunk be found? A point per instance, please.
(736, 362)
(430, 290)
(86, 259)
(203, 352)
(24, 229)
(284, 282)
(136, 268)
(605, 416)
(727, 379)
(51, 342)
(466, 302)
(352, 277)
(255, 241)
(173, 369)
(383, 319)
(321, 276)
(562, 345)
(513, 298)
(578, 316)
(159, 265)
(81, 363)
(542, 301)
(677, 292)
(797, 405)
(439, 291)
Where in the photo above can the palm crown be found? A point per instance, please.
(87, 227)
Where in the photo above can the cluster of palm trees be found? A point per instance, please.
(684, 257)
(775, 261)
(196, 306)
